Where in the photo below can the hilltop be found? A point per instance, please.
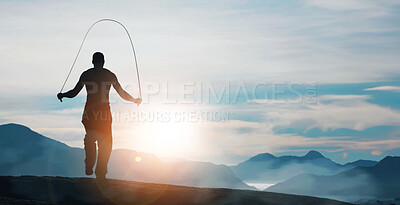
(63, 190)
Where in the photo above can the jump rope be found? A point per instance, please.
(83, 41)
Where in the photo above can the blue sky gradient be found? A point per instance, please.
(342, 55)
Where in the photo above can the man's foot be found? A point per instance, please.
(88, 171)
(100, 177)
(101, 181)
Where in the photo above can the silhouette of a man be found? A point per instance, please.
(96, 117)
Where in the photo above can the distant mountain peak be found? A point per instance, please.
(12, 130)
(261, 157)
(14, 125)
(313, 155)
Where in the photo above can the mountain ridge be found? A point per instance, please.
(381, 181)
(26, 152)
(361, 163)
(268, 168)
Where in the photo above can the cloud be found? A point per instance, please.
(232, 39)
(376, 153)
(351, 112)
(346, 5)
(385, 88)
(343, 97)
(325, 41)
(234, 140)
(345, 154)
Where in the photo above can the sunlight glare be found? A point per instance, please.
(138, 159)
(171, 139)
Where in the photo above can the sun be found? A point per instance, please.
(171, 139)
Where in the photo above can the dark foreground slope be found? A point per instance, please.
(62, 190)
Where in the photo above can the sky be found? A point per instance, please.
(221, 80)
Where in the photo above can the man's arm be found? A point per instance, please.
(121, 92)
(72, 93)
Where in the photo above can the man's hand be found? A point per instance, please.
(60, 96)
(137, 101)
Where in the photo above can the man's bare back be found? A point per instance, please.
(96, 117)
(98, 82)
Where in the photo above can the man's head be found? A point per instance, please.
(98, 59)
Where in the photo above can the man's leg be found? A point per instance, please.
(105, 146)
(90, 151)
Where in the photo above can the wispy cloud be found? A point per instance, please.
(234, 140)
(376, 152)
(346, 5)
(385, 88)
(343, 97)
(352, 112)
(232, 39)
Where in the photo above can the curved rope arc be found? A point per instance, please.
(83, 41)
